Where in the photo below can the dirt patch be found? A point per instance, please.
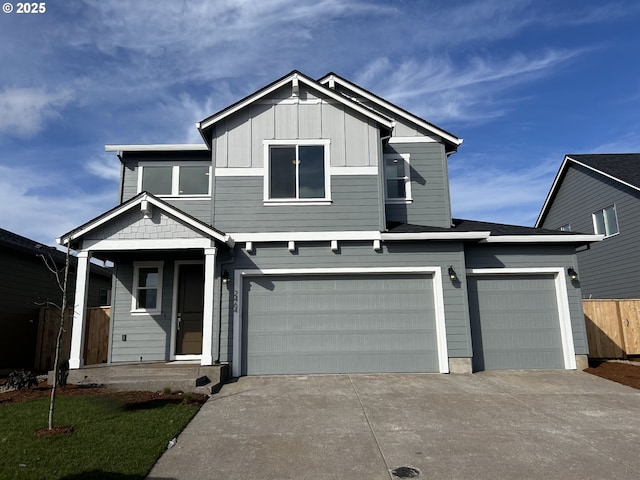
(54, 432)
(620, 372)
(132, 399)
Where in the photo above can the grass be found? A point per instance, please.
(111, 439)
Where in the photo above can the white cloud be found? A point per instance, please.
(37, 212)
(445, 90)
(24, 111)
(491, 193)
(105, 166)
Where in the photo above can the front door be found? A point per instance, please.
(190, 306)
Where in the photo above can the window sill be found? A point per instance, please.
(145, 312)
(399, 201)
(319, 201)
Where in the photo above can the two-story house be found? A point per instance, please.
(600, 193)
(311, 232)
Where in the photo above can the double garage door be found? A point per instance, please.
(358, 323)
(514, 322)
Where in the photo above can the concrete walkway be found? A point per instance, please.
(491, 425)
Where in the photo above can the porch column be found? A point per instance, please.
(207, 313)
(79, 310)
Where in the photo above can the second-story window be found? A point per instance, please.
(605, 221)
(297, 171)
(174, 180)
(397, 178)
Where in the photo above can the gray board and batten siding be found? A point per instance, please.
(609, 269)
(540, 257)
(238, 139)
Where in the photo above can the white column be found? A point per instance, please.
(79, 310)
(207, 313)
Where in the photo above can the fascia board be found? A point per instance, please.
(543, 239)
(101, 220)
(406, 115)
(552, 191)
(301, 78)
(436, 236)
(157, 147)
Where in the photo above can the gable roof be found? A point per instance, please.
(100, 220)
(623, 168)
(448, 137)
(295, 78)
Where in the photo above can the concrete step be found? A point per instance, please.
(187, 377)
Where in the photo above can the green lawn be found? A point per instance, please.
(111, 439)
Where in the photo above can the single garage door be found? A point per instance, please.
(514, 322)
(338, 324)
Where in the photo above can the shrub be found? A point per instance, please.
(21, 379)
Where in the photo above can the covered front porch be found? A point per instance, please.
(166, 288)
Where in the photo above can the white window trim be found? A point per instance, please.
(438, 302)
(615, 214)
(175, 178)
(325, 142)
(134, 293)
(407, 179)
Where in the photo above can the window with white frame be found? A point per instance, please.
(397, 178)
(297, 171)
(565, 228)
(174, 180)
(605, 221)
(147, 287)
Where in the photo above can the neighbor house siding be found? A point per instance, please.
(239, 207)
(362, 255)
(532, 256)
(429, 186)
(608, 269)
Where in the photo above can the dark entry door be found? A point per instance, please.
(190, 306)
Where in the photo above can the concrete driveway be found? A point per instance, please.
(492, 425)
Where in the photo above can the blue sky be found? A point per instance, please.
(523, 82)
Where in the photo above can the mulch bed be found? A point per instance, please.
(130, 398)
(620, 372)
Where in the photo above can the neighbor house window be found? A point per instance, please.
(297, 171)
(105, 297)
(397, 178)
(147, 287)
(174, 180)
(565, 228)
(605, 221)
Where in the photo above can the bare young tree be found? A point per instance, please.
(62, 279)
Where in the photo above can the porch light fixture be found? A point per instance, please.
(225, 277)
(572, 273)
(452, 273)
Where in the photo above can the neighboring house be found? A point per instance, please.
(311, 232)
(26, 285)
(600, 193)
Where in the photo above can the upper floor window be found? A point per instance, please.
(174, 180)
(605, 221)
(297, 171)
(397, 178)
(565, 228)
(147, 287)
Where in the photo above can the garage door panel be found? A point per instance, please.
(339, 324)
(515, 322)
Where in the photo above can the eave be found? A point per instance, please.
(447, 136)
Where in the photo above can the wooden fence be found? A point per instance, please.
(96, 341)
(613, 327)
